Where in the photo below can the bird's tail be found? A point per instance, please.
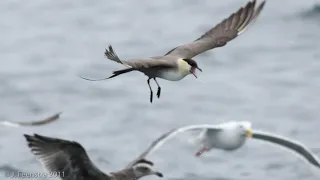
(122, 71)
(112, 55)
(114, 74)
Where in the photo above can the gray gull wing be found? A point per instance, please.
(32, 123)
(170, 134)
(297, 147)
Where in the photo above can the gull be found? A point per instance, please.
(32, 123)
(69, 161)
(230, 136)
(178, 63)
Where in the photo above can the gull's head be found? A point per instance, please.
(193, 66)
(144, 168)
(245, 128)
(233, 135)
(241, 129)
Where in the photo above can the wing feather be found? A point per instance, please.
(170, 134)
(32, 123)
(68, 158)
(138, 64)
(222, 33)
(294, 146)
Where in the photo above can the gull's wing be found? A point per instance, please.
(68, 158)
(222, 33)
(170, 134)
(297, 147)
(32, 123)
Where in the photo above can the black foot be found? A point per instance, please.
(159, 92)
(151, 96)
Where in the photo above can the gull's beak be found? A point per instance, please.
(249, 133)
(158, 174)
(199, 69)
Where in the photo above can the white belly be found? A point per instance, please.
(172, 75)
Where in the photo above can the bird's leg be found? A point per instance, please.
(151, 93)
(159, 88)
(202, 150)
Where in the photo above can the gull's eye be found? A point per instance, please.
(242, 126)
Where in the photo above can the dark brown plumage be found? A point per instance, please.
(70, 160)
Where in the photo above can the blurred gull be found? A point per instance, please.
(70, 160)
(231, 136)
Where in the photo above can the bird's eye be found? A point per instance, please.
(144, 169)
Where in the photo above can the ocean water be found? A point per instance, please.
(270, 75)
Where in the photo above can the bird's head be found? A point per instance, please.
(192, 66)
(238, 128)
(234, 134)
(144, 168)
(245, 128)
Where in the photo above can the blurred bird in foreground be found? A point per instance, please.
(70, 160)
(32, 123)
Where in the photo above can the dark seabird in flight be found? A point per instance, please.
(178, 63)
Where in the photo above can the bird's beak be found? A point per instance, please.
(194, 74)
(158, 174)
(192, 71)
(249, 133)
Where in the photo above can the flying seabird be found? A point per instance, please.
(230, 136)
(32, 123)
(70, 160)
(178, 62)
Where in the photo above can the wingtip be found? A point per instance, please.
(33, 141)
(29, 139)
(262, 3)
(253, 17)
(37, 136)
(54, 117)
(81, 77)
(27, 136)
(31, 135)
(108, 51)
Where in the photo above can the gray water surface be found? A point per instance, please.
(270, 76)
